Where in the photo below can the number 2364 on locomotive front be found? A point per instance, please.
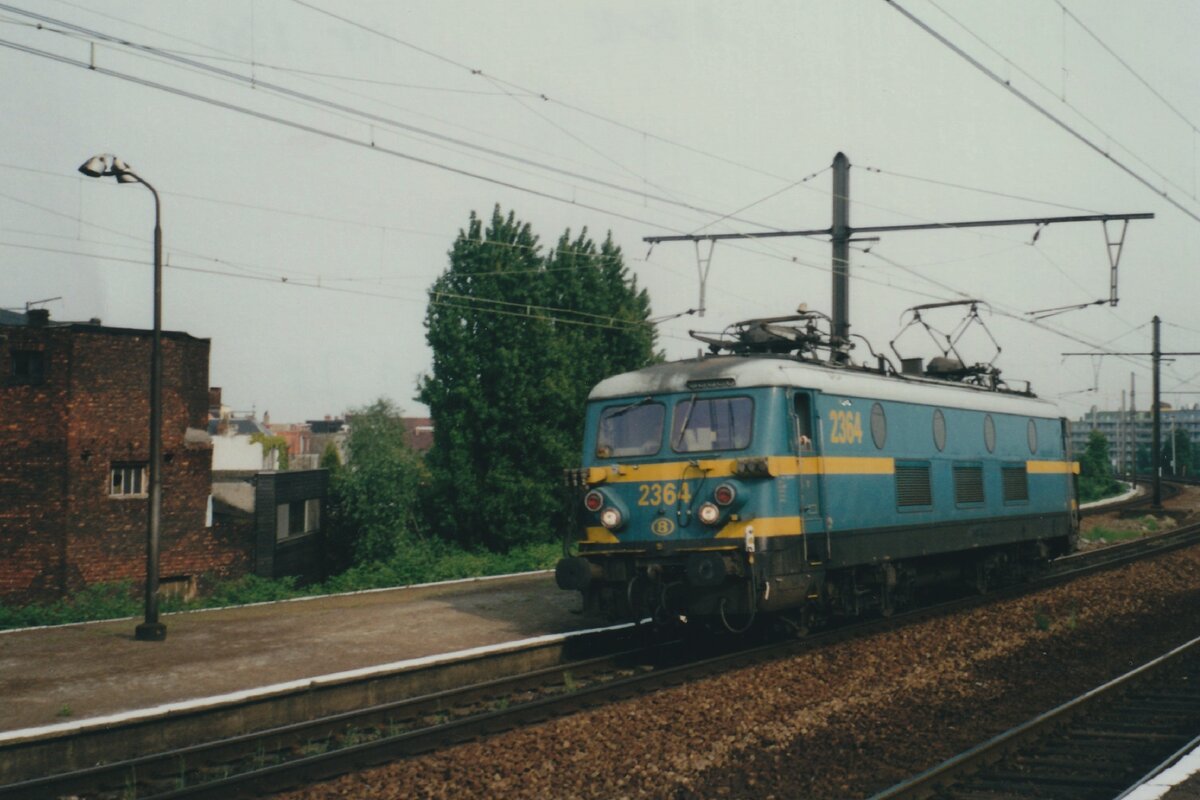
(734, 487)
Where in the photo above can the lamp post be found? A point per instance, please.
(150, 630)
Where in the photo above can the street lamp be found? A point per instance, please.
(151, 630)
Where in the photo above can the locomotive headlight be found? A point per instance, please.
(611, 518)
(725, 494)
(593, 501)
(708, 513)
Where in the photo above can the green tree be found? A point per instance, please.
(331, 459)
(271, 442)
(518, 340)
(374, 507)
(1179, 448)
(1095, 470)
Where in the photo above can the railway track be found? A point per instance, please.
(295, 755)
(1091, 748)
(1144, 500)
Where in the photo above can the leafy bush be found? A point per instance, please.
(431, 560)
(100, 601)
(373, 509)
(423, 561)
(249, 589)
(1096, 480)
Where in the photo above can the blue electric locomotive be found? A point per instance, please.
(729, 485)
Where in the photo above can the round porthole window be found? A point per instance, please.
(989, 433)
(939, 429)
(878, 426)
(1032, 437)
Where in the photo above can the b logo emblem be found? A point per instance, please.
(662, 527)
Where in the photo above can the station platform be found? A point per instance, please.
(72, 673)
(1179, 781)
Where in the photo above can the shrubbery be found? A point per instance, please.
(1095, 471)
(423, 562)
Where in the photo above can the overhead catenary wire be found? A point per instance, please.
(342, 108)
(793, 260)
(980, 190)
(324, 277)
(375, 146)
(476, 71)
(1083, 26)
(339, 137)
(262, 115)
(1042, 110)
(319, 276)
(1061, 97)
(612, 324)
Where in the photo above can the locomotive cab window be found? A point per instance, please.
(804, 436)
(715, 423)
(632, 429)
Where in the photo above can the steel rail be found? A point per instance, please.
(669, 667)
(997, 754)
(123, 775)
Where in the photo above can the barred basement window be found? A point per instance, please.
(128, 480)
(968, 484)
(913, 487)
(1016, 483)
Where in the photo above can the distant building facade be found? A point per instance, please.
(237, 445)
(74, 433)
(420, 433)
(1128, 432)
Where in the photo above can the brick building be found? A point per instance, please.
(74, 434)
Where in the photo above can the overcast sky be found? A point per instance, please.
(302, 230)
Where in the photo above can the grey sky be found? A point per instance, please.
(772, 90)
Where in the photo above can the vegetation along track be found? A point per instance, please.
(1139, 501)
(1091, 748)
(299, 754)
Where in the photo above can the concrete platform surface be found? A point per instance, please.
(1180, 781)
(73, 672)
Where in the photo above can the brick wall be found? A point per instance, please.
(33, 425)
(60, 528)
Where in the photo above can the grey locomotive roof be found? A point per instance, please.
(784, 371)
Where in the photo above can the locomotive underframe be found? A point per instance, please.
(811, 576)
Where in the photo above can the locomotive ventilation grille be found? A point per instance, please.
(1016, 483)
(912, 485)
(968, 484)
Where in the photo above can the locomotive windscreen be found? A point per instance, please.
(634, 429)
